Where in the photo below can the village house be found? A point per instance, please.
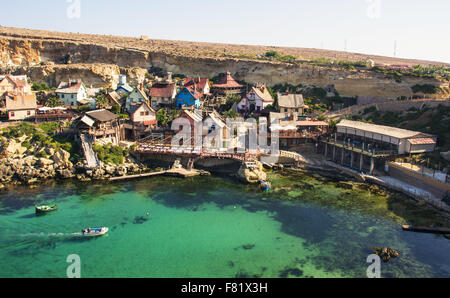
(17, 98)
(256, 100)
(292, 133)
(201, 85)
(100, 126)
(142, 121)
(163, 95)
(123, 87)
(14, 84)
(291, 104)
(115, 99)
(227, 85)
(189, 98)
(215, 132)
(195, 120)
(20, 106)
(137, 97)
(72, 93)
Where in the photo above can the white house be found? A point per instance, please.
(143, 114)
(256, 100)
(72, 92)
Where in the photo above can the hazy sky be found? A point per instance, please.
(420, 27)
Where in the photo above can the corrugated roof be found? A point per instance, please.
(88, 121)
(263, 93)
(194, 116)
(20, 101)
(422, 141)
(290, 101)
(380, 129)
(162, 90)
(72, 88)
(102, 115)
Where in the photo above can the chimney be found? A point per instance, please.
(169, 77)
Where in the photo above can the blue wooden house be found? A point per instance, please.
(188, 97)
(123, 86)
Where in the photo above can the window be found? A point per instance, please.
(142, 113)
(11, 114)
(28, 113)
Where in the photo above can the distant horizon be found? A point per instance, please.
(413, 29)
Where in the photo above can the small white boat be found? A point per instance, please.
(94, 232)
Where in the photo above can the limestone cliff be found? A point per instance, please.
(50, 57)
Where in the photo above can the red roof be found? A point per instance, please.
(150, 122)
(162, 90)
(200, 83)
(227, 81)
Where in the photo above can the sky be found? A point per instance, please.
(418, 28)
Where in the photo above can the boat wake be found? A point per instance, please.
(51, 235)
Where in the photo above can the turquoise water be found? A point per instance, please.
(203, 227)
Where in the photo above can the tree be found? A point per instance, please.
(53, 102)
(101, 101)
(162, 118)
(115, 109)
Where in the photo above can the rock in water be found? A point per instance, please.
(386, 253)
(252, 172)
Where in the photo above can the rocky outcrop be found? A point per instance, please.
(252, 172)
(51, 57)
(386, 253)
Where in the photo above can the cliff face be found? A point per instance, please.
(48, 59)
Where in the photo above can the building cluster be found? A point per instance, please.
(198, 100)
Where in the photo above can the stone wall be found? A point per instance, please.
(435, 187)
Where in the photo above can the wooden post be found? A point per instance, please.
(372, 165)
(351, 159)
(361, 162)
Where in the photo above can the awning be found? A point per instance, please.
(88, 121)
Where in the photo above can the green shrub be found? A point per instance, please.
(425, 88)
(111, 154)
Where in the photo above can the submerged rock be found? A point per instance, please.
(386, 253)
(248, 246)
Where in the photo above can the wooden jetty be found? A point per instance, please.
(437, 230)
(183, 173)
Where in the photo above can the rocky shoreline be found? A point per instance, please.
(28, 170)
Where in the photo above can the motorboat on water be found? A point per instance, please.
(45, 209)
(94, 232)
(265, 185)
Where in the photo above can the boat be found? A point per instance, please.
(265, 185)
(94, 232)
(45, 209)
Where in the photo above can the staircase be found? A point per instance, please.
(91, 156)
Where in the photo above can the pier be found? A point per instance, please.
(182, 173)
(438, 230)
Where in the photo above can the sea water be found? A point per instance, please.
(307, 226)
